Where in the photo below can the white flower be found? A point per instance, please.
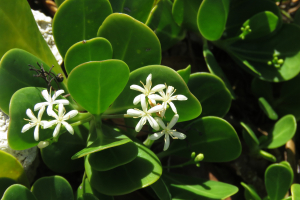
(34, 122)
(167, 98)
(43, 144)
(145, 115)
(147, 89)
(51, 101)
(167, 131)
(60, 119)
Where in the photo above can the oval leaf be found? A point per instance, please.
(295, 189)
(161, 189)
(87, 189)
(17, 192)
(250, 192)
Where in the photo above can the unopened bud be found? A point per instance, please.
(199, 157)
(193, 155)
(280, 61)
(43, 144)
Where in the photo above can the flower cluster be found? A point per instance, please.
(149, 98)
(60, 116)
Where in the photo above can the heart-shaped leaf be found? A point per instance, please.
(88, 16)
(250, 193)
(95, 85)
(209, 136)
(95, 49)
(185, 73)
(87, 189)
(139, 10)
(185, 187)
(137, 46)
(52, 187)
(212, 93)
(17, 192)
(278, 179)
(144, 170)
(187, 110)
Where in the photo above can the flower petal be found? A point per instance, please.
(70, 114)
(61, 101)
(50, 111)
(137, 99)
(144, 103)
(153, 123)
(173, 121)
(135, 113)
(155, 97)
(155, 109)
(39, 105)
(179, 135)
(68, 127)
(46, 95)
(173, 107)
(26, 127)
(47, 124)
(167, 142)
(56, 130)
(30, 114)
(169, 90)
(57, 93)
(41, 112)
(160, 122)
(156, 136)
(36, 132)
(148, 81)
(61, 110)
(138, 88)
(158, 87)
(179, 97)
(140, 124)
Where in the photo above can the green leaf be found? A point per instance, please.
(210, 136)
(212, 93)
(262, 89)
(295, 189)
(52, 187)
(185, 73)
(266, 155)
(138, 9)
(95, 49)
(18, 29)
(22, 100)
(250, 193)
(212, 17)
(161, 190)
(186, 187)
(15, 74)
(162, 23)
(215, 69)
(11, 169)
(95, 85)
(185, 13)
(88, 196)
(267, 108)
(59, 2)
(5, 183)
(250, 137)
(17, 192)
(87, 189)
(78, 20)
(57, 156)
(137, 46)
(283, 131)
(144, 170)
(187, 110)
(278, 179)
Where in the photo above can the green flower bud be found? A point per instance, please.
(193, 155)
(199, 157)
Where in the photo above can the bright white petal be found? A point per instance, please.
(41, 112)
(155, 109)
(153, 123)
(26, 127)
(155, 97)
(46, 95)
(165, 104)
(179, 135)
(173, 121)
(148, 81)
(49, 124)
(61, 110)
(68, 127)
(36, 133)
(138, 88)
(156, 136)
(167, 142)
(169, 90)
(173, 107)
(43, 144)
(30, 114)
(70, 114)
(144, 103)
(160, 122)
(57, 93)
(39, 105)
(162, 113)
(158, 87)
(179, 97)
(140, 124)
(135, 113)
(61, 101)
(56, 130)
(137, 99)
(50, 111)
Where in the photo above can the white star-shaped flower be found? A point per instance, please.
(147, 89)
(167, 98)
(145, 115)
(167, 131)
(60, 119)
(34, 122)
(51, 101)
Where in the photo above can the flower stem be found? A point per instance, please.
(190, 162)
(115, 116)
(148, 143)
(83, 120)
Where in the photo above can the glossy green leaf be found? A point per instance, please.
(261, 24)
(255, 56)
(144, 170)
(278, 179)
(162, 23)
(5, 183)
(250, 137)
(95, 49)
(95, 85)
(283, 131)
(22, 100)
(161, 190)
(186, 187)
(78, 20)
(59, 2)
(185, 13)
(11, 168)
(15, 74)
(57, 156)
(212, 93)
(87, 196)
(187, 110)
(87, 189)
(137, 46)
(211, 136)
(266, 155)
(267, 108)
(295, 189)
(138, 9)
(18, 29)
(212, 17)
(17, 192)
(52, 187)
(250, 193)
(185, 73)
